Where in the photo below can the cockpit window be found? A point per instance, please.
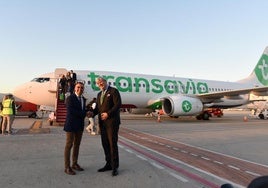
(40, 80)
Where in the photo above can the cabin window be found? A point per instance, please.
(40, 80)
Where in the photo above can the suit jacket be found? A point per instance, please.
(74, 77)
(111, 104)
(75, 114)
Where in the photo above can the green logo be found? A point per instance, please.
(186, 106)
(150, 84)
(261, 70)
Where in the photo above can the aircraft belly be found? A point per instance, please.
(227, 103)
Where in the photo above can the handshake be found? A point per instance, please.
(104, 115)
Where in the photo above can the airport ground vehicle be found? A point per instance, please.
(215, 112)
(263, 114)
(26, 109)
(209, 112)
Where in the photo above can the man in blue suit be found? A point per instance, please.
(74, 127)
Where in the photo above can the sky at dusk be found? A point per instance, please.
(215, 40)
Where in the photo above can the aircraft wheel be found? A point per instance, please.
(33, 115)
(199, 117)
(261, 116)
(205, 116)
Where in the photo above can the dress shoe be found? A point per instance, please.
(115, 172)
(69, 171)
(77, 167)
(105, 168)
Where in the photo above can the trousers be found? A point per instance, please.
(73, 139)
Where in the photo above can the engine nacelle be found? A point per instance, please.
(260, 93)
(181, 105)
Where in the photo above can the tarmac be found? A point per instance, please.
(35, 159)
(33, 156)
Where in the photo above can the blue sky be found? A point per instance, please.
(219, 40)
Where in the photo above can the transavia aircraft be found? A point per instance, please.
(175, 95)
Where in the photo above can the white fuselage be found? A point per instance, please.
(136, 90)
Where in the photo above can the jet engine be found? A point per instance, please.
(260, 93)
(181, 105)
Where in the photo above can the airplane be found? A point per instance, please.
(176, 96)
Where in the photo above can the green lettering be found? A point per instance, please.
(92, 79)
(170, 86)
(133, 84)
(202, 87)
(109, 78)
(157, 87)
(139, 83)
(192, 86)
(182, 87)
(188, 86)
(123, 84)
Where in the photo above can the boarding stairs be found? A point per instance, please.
(61, 111)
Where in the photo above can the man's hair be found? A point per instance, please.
(79, 82)
(101, 78)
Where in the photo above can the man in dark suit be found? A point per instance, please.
(108, 110)
(73, 76)
(74, 127)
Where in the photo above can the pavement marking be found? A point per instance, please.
(218, 162)
(141, 157)
(178, 177)
(193, 154)
(128, 150)
(168, 165)
(207, 159)
(157, 165)
(233, 167)
(202, 157)
(252, 173)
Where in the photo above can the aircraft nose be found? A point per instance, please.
(20, 92)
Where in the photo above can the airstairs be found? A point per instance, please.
(61, 111)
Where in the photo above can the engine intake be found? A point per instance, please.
(181, 105)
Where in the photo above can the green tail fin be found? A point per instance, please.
(261, 69)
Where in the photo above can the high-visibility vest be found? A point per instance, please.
(7, 107)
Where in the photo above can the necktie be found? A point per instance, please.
(102, 96)
(81, 102)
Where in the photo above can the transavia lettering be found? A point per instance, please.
(135, 84)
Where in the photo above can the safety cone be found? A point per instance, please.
(245, 118)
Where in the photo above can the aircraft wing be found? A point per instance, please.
(156, 103)
(259, 91)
